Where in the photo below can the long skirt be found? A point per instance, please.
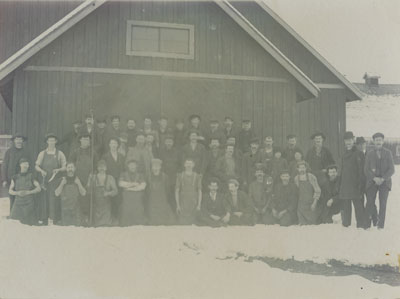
(24, 210)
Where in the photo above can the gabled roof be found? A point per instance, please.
(268, 46)
(315, 53)
(49, 35)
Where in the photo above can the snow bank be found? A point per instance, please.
(374, 113)
(181, 262)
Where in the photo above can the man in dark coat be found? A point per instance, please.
(213, 211)
(169, 156)
(249, 161)
(238, 205)
(245, 136)
(213, 154)
(114, 130)
(196, 151)
(351, 182)
(284, 203)
(319, 157)
(267, 154)
(330, 203)
(361, 145)
(291, 148)
(229, 128)
(228, 166)
(131, 131)
(70, 141)
(10, 165)
(180, 135)
(214, 132)
(379, 169)
(101, 131)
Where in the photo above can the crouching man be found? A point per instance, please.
(330, 204)
(238, 205)
(70, 191)
(284, 204)
(213, 211)
(23, 186)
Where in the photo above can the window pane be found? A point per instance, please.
(174, 40)
(145, 39)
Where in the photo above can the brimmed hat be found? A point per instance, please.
(260, 167)
(50, 135)
(255, 141)
(318, 134)
(360, 140)
(377, 135)
(284, 171)
(84, 135)
(19, 135)
(194, 116)
(348, 135)
(332, 166)
(233, 181)
(129, 161)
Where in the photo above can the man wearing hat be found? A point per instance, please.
(132, 132)
(212, 155)
(285, 200)
(50, 162)
(238, 205)
(180, 135)
(195, 125)
(291, 148)
(10, 165)
(228, 166)
(260, 193)
(101, 130)
(319, 157)
(229, 129)
(114, 130)
(70, 141)
(245, 136)
(330, 203)
(90, 129)
(163, 130)
(214, 132)
(196, 151)
(351, 182)
(361, 145)
(23, 186)
(250, 159)
(379, 169)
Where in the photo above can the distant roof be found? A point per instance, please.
(379, 90)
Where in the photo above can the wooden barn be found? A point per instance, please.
(173, 58)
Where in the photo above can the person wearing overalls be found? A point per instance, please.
(49, 163)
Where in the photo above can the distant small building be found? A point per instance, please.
(371, 86)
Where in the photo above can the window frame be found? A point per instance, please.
(130, 52)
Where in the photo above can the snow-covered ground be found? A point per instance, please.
(191, 262)
(373, 114)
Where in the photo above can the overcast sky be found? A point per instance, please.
(355, 36)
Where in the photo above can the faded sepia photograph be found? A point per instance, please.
(179, 149)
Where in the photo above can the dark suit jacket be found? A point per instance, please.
(383, 167)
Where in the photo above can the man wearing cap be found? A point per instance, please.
(148, 129)
(214, 132)
(379, 169)
(213, 212)
(309, 194)
(195, 125)
(141, 155)
(114, 130)
(330, 203)
(238, 205)
(49, 163)
(196, 151)
(250, 159)
(23, 186)
(228, 166)
(180, 134)
(89, 128)
(351, 182)
(260, 193)
(267, 154)
(285, 200)
(169, 156)
(101, 131)
(291, 148)
(229, 128)
(70, 141)
(10, 165)
(85, 159)
(163, 130)
(213, 154)
(319, 157)
(131, 131)
(245, 136)
(361, 145)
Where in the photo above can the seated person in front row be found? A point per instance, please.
(213, 210)
(284, 204)
(330, 204)
(238, 205)
(260, 193)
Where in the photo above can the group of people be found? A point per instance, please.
(99, 175)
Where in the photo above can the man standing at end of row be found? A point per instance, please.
(379, 169)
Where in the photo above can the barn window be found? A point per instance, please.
(160, 40)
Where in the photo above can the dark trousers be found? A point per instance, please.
(372, 214)
(358, 209)
(12, 199)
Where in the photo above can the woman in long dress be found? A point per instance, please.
(104, 189)
(188, 194)
(132, 210)
(159, 209)
(23, 187)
